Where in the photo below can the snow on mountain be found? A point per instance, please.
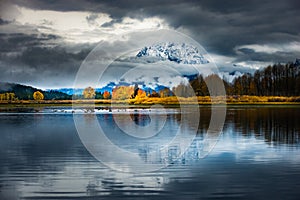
(230, 76)
(179, 53)
(161, 65)
(185, 54)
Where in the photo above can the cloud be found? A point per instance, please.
(239, 21)
(111, 23)
(271, 48)
(81, 26)
(91, 19)
(170, 75)
(272, 53)
(243, 33)
(163, 73)
(29, 59)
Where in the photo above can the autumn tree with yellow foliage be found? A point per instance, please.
(8, 96)
(89, 93)
(38, 96)
(122, 92)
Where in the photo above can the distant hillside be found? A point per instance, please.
(24, 92)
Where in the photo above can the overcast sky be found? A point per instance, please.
(42, 43)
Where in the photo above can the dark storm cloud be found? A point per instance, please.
(43, 67)
(18, 41)
(276, 57)
(38, 56)
(222, 27)
(31, 59)
(246, 50)
(218, 25)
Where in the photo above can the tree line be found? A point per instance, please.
(275, 80)
(13, 92)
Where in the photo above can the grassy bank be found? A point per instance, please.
(205, 100)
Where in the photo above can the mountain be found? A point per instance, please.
(78, 91)
(109, 87)
(179, 53)
(185, 54)
(24, 92)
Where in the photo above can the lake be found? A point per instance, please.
(42, 155)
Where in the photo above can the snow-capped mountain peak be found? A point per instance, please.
(179, 53)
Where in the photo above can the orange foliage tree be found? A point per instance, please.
(106, 95)
(141, 94)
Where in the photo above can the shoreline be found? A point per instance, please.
(165, 101)
(121, 105)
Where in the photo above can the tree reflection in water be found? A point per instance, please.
(276, 125)
(140, 119)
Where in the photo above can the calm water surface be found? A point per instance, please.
(256, 157)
